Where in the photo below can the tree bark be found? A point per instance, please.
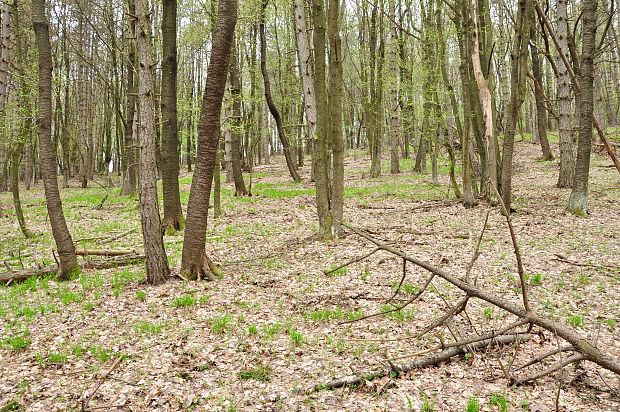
(236, 125)
(394, 100)
(567, 158)
(131, 176)
(517, 93)
(269, 98)
(195, 262)
(541, 115)
(66, 250)
(578, 202)
(173, 214)
(157, 269)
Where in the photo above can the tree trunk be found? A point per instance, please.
(173, 214)
(541, 124)
(195, 263)
(131, 163)
(491, 183)
(157, 269)
(269, 98)
(66, 250)
(567, 159)
(578, 202)
(236, 125)
(518, 72)
(15, 157)
(394, 101)
(335, 117)
(307, 79)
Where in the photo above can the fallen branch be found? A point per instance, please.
(561, 258)
(86, 396)
(120, 235)
(424, 362)
(100, 205)
(94, 252)
(590, 351)
(18, 275)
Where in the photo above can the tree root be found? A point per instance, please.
(204, 268)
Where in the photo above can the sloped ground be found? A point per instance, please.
(256, 338)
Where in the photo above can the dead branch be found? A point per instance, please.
(424, 362)
(561, 258)
(410, 301)
(350, 262)
(400, 284)
(590, 351)
(115, 261)
(116, 237)
(545, 355)
(94, 252)
(553, 368)
(87, 395)
(100, 205)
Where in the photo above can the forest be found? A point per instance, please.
(309, 205)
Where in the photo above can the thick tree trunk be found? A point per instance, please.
(578, 202)
(173, 214)
(567, 158)
(66, 250)
(236, 125)
(195, 263)
(157, 270)
(269, 98)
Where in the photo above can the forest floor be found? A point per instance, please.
(259, 336)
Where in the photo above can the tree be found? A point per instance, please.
(578, 202)
(567, 158)
(541, 124)
(157, 269)
(269, 98)
(130, 162)
(236, 125)
(67, 260)
(173, 214)
(518, 72)
(195, 262)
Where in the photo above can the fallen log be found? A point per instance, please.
(18, 275)
(426, 361)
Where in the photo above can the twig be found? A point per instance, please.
(553, 368)
(476, 254)
(120, 235)
(87, 396)
(402, 279)
(545, 355)
(410, 301)
(354, 260)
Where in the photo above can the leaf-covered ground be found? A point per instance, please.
(258, 337)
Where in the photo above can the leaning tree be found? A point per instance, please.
(195, 263)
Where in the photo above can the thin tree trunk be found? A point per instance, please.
(131, 162)
(567, 158)
(269, 98)
(541, 114)
(157, 269)
(173, 214)
(236, 125)
(394, 100)
(195, 262)
(517, 94)
(66, 250)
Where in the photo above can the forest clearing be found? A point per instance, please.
(269, 329)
